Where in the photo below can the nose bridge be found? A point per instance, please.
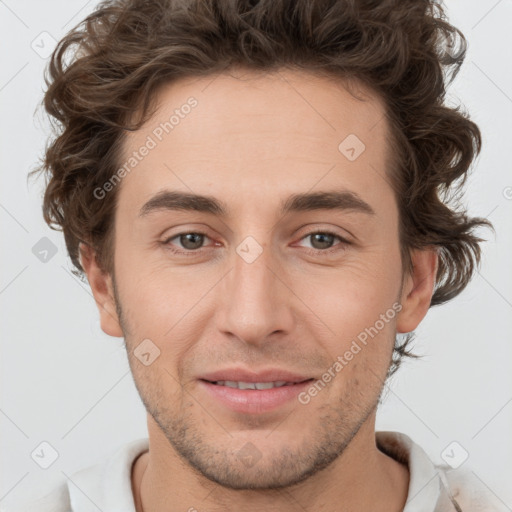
(254, 301)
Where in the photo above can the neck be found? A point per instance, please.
(362, 478)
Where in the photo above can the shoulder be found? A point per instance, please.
(469, 491)
(105, 485)
(57, 500)
(438, 487)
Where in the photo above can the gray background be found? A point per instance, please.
(66, 383)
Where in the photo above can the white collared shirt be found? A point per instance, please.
(106, 486)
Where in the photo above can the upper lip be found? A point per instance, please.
(241, 375)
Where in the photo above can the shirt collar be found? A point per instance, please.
(428, 486)
(107, 485)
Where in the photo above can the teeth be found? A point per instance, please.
(281, 383)
(253, 385)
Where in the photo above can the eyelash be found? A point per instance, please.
(314, 252)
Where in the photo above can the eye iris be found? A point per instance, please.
(321, 237)
(195, 238)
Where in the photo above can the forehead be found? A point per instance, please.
(233, 132)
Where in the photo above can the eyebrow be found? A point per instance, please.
(344, 200)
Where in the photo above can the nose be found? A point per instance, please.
(256, 300)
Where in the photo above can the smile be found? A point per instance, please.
(253, 385)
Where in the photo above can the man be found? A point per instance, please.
(253, 190)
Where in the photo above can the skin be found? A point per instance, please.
(253, 140)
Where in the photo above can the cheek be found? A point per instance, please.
(352, 297)
(154, 294)
(353, 312)
(163, 306)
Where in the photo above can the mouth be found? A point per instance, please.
(254, 394)
(255, 385)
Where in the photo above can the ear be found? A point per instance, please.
(102, 290)
(418, 289)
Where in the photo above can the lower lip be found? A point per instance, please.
(254, 400)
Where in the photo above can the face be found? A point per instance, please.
(287, 271)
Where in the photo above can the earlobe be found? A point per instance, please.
(102, 290)
(418, 289)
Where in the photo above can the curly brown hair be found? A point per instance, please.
(110, 66)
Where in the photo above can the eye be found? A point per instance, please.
(191, 241)
(322, 242)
